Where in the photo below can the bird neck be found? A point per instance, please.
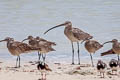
(69, 27)
(116, 43)
(9, 43)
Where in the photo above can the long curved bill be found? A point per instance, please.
(24, 40)
(107, 42)
(2, 40)
(83, 41)
(54, 27)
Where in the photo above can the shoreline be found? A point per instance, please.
(60, 71)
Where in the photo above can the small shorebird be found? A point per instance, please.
(92, 46)
(109, 52)
(113, 65)
(43, 68)
(115, 46)
(74, 35)
(16, 48)
(46, 46)
(101, 67)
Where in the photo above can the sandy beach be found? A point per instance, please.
(60, 71)
(22, 18)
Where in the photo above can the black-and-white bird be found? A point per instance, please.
(113, 65)
(101, 67)
(43, 67)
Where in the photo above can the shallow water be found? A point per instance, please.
(20, 18)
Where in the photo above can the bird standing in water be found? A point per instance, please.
(74, 35)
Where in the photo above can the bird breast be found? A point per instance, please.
(92, 46)
(69, 34)
(116, 48)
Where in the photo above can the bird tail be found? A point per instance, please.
(53, 43)
(108, 52)
(47, 68)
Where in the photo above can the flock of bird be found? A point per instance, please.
(73, 34)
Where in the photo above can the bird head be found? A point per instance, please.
(37, 38)
(7, 39)
(113, 41)
(66, 23)
(28, 38)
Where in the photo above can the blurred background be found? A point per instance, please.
(20, 18)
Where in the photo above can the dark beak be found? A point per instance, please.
(54, 27)
(24, 40)
(2, 40)
(107, 42)
(83, 41)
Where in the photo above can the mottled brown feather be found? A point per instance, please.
(109, 52)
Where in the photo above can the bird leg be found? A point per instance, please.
(19, 61)
(118, 57)
(44, 56)
(78, 54)
(42, 76)
(45, 76)
(72, 53)
(39, 55)
(16, 62)
(103, 75)
(91, 60)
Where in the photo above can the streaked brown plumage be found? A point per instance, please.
(45, 42)
(92, 46)
(16, 48)
(46, 46)
(109, 52)
(115, 46)
(74, 35)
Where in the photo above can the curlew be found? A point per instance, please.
(32, 42)
(74, 35)
(92, 46)
(16, 48)
(115, 46)
(43, 68)
(101, 67)
(46, 46)
(113, 65)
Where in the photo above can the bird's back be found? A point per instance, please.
(92, 46)
(17, 48)
(79, 34)
(109, 52)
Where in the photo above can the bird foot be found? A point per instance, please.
(78, 63)
(73, 64)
